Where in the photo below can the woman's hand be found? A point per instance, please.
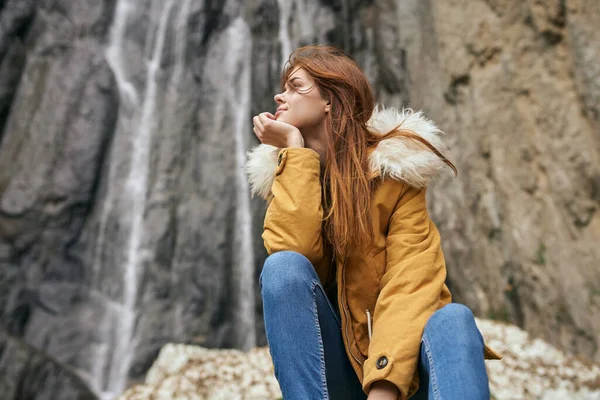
(383, 390)
(276, 133)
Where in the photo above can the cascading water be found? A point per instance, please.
(172, 99)
(244, 316)
(128, 94)
(284, 34)
(141, 122)
(127, 199)
(228, 69)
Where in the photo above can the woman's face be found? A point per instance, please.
(301, 105)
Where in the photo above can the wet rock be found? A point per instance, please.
(28, 373)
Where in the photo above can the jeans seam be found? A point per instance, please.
(321, 349)
(432, 374)
(335, 317)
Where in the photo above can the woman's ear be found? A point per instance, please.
(328, 107)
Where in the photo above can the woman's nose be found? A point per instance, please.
(279, 98)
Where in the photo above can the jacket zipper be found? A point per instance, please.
(345, 307)
(369, 324)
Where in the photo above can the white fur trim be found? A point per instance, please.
(400, 158)
(260, 168)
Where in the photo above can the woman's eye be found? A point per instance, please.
(294, 87)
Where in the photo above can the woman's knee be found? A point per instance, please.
(453, 318)
(285, 270)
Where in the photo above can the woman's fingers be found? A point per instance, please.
(258, 128)
(258, 124)
(269, 130)
(266, 121)
(257, 133)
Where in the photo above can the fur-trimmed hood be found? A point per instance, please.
(399, 158)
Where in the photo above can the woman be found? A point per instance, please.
(354, 294)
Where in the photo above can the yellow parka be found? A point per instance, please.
(396, 284)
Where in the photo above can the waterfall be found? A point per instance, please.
(173, 93)
(141, 123)
(127, 93)
(127, 186)
(284, 34)
(114, 51)
(136, 186)
(238, 59)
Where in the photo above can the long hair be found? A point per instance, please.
(347, 180)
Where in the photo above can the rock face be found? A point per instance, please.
(125, 221)
(512, 85)
(27, 373)
(530, 369)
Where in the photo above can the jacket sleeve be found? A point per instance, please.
(410, 293)
(294, 216)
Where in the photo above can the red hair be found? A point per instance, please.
(348, 184)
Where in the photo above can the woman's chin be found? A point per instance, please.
(282, 118)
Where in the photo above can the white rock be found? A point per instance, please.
(530, 369)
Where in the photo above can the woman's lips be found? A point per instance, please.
(278, 112)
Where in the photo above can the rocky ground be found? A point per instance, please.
(531, 369)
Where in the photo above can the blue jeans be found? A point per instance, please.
(307, 348)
